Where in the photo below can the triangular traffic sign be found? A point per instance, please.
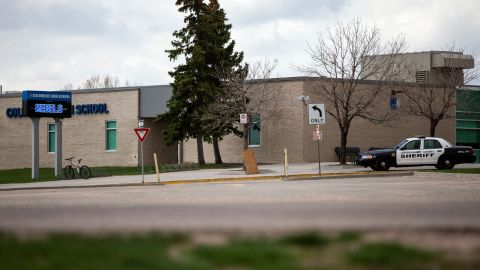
(141, 133)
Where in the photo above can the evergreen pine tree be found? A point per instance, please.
(204, 43)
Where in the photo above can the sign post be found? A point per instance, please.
(316, 116)
(317, 136)
(55, 104)
(142, 135)
(35, 148)
(58, 147)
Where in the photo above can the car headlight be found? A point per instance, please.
(367, 156)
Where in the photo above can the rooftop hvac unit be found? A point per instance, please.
(421, 76)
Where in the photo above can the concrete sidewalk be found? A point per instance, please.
(298, 171)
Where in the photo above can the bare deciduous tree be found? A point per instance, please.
(435, 97)
(96, 81)
(247, 91)
(68, 86)
(341, 59)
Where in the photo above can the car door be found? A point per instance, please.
(432, 150)
(410, 153)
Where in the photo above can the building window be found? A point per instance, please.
(254, 131)
(51, 137)
(111, 135)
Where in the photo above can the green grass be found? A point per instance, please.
(304, 251)
(245, 254)
(468, 170)
(47, 174)
(391, 256)
(25, 175)
(77, 252)
(307, 239)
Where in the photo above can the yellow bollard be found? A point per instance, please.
(286, 162)
(156, 166)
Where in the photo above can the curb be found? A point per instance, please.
(351, 175)
(295, 177)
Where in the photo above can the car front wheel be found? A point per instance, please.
(382, 164)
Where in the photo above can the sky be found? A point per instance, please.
(46, 44)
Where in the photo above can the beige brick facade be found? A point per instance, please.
(84, 136)
(292, 131)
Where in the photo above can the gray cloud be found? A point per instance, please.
(255, 12)
(48, 43)
(65, 17)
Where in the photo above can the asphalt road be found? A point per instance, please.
(423, 201)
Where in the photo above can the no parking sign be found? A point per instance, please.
(243, 118)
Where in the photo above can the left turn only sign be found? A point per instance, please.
(141, 133)
(316, 114)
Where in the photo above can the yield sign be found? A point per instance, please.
(141, 133)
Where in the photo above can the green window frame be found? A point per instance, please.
(254, 131)
(111, 135)
(51, 138)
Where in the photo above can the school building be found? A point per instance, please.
(101, 128)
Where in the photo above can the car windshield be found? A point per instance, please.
(398, 146)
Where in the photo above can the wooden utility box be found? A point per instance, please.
(249, 162)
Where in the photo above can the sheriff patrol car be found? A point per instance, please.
(417, 151)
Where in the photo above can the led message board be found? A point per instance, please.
(55, 104)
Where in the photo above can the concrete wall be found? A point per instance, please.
(153, 100)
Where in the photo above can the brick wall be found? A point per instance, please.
(83, 135)
(283, 131)
(290, 129)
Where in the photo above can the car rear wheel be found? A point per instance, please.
(382, 164)
(445, 163)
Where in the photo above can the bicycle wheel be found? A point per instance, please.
(85, 172)
(69, 172)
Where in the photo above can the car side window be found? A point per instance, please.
(432, 144)
(412, 145)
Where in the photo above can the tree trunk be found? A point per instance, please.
(433, 126)
(245, 142)
(201, 157)
(245, 137)
(343, 147)
(216, 152)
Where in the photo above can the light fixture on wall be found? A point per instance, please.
(303, 99)
(394, 102)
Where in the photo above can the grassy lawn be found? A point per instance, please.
(470, 170)
(347, 251)
(47, 174)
